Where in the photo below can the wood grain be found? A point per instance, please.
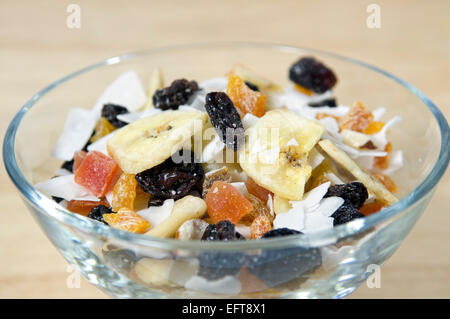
(37, 48)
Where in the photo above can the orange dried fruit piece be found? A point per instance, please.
(303, 90)
(245, 99)
(320, 116)
(84, 207)
(102, 128)
(371, 208)
(257, 190)
(387, 182)
(358, 118)
(126, 219)
(260, 225)
(383, 162)
(124, 192)
(78, 157)
(374, 127)
(224, 202)
(96, 172)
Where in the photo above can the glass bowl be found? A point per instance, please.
(325, 264)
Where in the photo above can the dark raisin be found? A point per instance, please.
(312, 74)
(279, 232)
(276, 266)
(57, 199)
(252, 86)
(331, 102)
(347, 212)
(354, 193)
(216, 265)
(110, 112)
(155, 202)
(225, 119)
(68, 165)
(178, 93)
(98, 211)
(170, 179)
(122, 260)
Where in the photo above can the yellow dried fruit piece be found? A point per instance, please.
(102, 128)
(124, 192)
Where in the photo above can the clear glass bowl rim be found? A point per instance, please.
(53, 210)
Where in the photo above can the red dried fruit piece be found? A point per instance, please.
(84, 207)
(124, 192)
(78, 157)
(387, 182)
(128, 220)
(257, 190)
(357, 119)
(371, 208)
(225, 202)
(96, 172)
(383, 162)
(244, 98)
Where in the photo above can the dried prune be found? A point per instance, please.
(354, 193)
(170, 179)
(225, 119)
(216, 265)
(223, 230)
(252, 86)
(277, 266)
(110, 112)
(312, 74)
(68, 165)
(98, 211)
(331, 102)
(347, 212)
(178, 93)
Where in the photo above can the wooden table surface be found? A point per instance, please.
(37, 48)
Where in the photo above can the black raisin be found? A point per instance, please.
(170, 179)
(347, 212)
(312, 74)
(225, 119)
(98, 211)
(57, 199)
(354, 193)
(216, 265)
(252, 86)
(276, 266)
(110, 112)
(331, 102)
(122, 260)
(178, 93)
(68, 165)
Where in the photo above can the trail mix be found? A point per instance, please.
(230, 158)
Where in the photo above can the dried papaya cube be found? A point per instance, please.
(124, 192)
(387, 182)
(84, 207)
(220, 174)
(358, 118)
(224, 202)
(257, 190)
(244, 98)
(383, 162)
(371, 208)
(128, 220)
(102, 128)
(303, 90)
(78, 157)
(260, 225)
(96, 172)
(374, 127)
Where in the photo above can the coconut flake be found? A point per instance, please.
(329, 205)
(65, 187)
(157, 214)
(378, 113)
(270, 204)
(315, 158)
(316, 221)
(213, 149)
(313, 197)
(126, 90)
(134, 116)
(249, 120)
(244, 230)
(292, 142)
(218, 83)
(293, 219)
(380, 139)
(395, 162)
(228, 285)
(62, 172)
(100, 144)
(76, 132)
(240, 186)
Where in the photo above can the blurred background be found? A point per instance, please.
(38, 47)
